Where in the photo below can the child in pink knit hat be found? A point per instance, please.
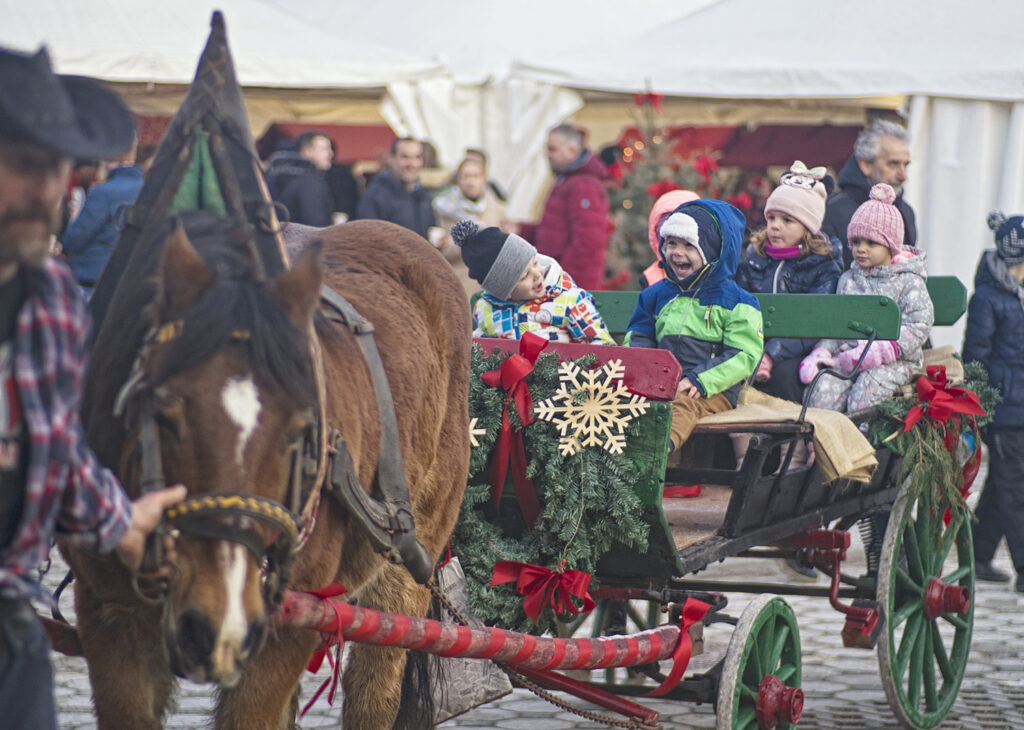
(790, 255)
(882, 265)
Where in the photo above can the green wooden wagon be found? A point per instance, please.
(913, 604)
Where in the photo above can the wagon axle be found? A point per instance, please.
(940, 598)
(777, 703)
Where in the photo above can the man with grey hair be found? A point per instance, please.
(574, 227)
(881, 154)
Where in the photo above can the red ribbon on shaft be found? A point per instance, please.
(318, 656)
(543, 587)
(693, 611)
(509, 448)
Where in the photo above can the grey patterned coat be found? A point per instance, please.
(904, 280)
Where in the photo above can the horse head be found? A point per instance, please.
(226, 385)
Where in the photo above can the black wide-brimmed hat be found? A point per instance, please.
(71, 114)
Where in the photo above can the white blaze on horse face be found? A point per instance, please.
(231, 558)
(241, 402)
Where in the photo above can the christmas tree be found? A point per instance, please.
(654, 163)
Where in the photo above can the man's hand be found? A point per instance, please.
(688, 389)
(146, 513)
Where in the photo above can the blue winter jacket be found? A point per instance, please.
(711, 325)
(90, 237)
(995, 335)
(811, 274)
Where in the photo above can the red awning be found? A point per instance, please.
(352, 142)
(781, 144)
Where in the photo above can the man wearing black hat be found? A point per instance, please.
(50, 482)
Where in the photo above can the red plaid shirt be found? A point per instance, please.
(67, 493)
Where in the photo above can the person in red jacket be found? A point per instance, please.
(574, 227)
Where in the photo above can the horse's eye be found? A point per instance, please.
(167, 423)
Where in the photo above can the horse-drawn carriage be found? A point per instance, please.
(324, 442)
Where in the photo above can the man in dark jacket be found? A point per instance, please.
(395, 193)
(880, 155)
(298, 180)
(574, 227)
(995, 338)
(90, 237)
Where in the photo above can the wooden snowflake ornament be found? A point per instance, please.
(474, 432)
(591, 408)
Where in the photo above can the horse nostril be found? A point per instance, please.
(254, 638)
(195, 634)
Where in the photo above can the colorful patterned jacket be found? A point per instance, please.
(565, 313)
(67, 492)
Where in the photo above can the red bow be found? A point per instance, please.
(705, 165)
(649, 98)
(940, 402)
(656, 190)
(693, 611)
(318, 656)
(509, 448)
(544, 587)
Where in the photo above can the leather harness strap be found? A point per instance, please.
(389, 521)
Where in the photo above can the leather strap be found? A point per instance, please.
(388, 522)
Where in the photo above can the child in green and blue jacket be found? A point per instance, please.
(699, 313)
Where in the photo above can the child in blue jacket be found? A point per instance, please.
(699, 314)
(995, 338)
(791, 256)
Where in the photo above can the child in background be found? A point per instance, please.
(661, 210)
(881, 265)
(699, 313)
(525, 291)
(995, 338)
(791, 256)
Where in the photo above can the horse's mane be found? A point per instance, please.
(236, 303)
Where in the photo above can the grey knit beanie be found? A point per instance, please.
(494, 258)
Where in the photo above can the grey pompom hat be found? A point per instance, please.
(494, 258)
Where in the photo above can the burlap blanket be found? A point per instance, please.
(840, 449)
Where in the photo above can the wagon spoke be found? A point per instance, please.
(931, 699)
(780, 645)
(907, 643)
(907, 582)
(785, 672)
(906, 611)
(910, 547)
(947, 543)
(747, 717)
(914, 674)
(961, 572)
(941, 657)
(748, 692)
(957, 620)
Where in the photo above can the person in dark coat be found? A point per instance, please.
(881, 154)
(790, 256)
(995, 338)
(298, 180)
(90, 237)
(573, 229)
(395, 193)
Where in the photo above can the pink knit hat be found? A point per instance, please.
(800, 195)
(878, 220)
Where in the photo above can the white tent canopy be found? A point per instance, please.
(131, 41)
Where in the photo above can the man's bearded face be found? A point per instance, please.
(33, 181)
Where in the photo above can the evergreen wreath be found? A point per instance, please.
(587, 501)
(934, 471)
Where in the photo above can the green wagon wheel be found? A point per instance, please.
(926, 588)
(759, 688)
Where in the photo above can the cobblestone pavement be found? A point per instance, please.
(842, 686)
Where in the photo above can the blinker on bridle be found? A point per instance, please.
(219, 516)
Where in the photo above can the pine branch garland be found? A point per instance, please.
(587, 500)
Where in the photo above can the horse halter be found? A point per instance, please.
(221, 515)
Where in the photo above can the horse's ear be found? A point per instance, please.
(183, 275)
(298, 287)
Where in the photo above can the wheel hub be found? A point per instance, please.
(940, 598)
(777, 703)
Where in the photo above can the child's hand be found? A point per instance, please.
(688, 389)
(764, 370)
(809, 366)
(882, 352)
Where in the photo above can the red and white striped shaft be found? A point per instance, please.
(367, 626)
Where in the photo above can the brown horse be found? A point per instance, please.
(232, 387)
